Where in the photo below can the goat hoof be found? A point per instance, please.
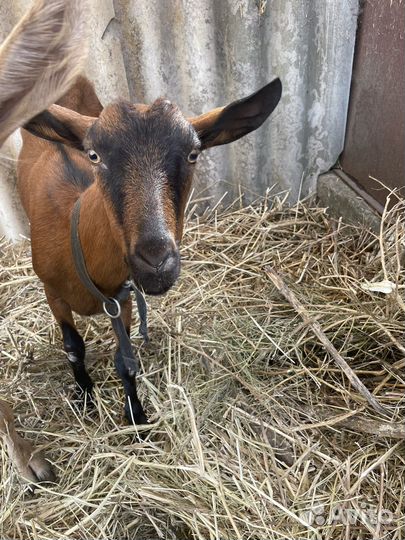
(32, 465)
(135, 415)
(41, 470)
(83, 398)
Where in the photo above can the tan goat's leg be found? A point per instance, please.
(134, 412)
(72, 341)
(29, 462)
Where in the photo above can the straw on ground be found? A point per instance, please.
(256, 428)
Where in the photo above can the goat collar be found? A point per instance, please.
(111, 305)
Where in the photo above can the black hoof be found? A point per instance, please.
(135, 414)
(86, 385)
(83, 397)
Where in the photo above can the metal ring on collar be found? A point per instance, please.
(118, 306)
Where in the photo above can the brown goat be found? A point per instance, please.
(38, 63)
(131, 166)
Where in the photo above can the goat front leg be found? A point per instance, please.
(72, 341)
(30, 463)
(134, 412)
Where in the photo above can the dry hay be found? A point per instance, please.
(255, 424)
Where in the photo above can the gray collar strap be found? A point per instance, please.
(111, 305)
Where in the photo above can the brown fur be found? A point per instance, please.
(38, 62)
(81, 98)
(29, 462)
(100, 241)
(48, 198)
(132, 198)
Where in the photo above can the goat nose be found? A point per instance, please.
(155, 251)
(155, 263)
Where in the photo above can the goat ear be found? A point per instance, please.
(227, 124)
(59, 124)
(40, 59)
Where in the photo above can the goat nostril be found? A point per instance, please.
(159, 266)
(153, 261)
(155, 253)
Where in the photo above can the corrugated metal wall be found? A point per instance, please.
(205, 53)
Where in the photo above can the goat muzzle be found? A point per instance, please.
(155, 264)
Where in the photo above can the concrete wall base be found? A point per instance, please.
(342, 201)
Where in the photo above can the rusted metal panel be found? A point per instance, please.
(375, 135)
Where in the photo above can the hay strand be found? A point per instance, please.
(256, 431)
(320, 334)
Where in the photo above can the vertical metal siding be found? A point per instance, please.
(375, 140)
(201, 54)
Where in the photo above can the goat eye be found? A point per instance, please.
(193, 156)
(93, 156)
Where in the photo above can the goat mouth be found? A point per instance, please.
(155, 284)
(154, 280)
(156, 288)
